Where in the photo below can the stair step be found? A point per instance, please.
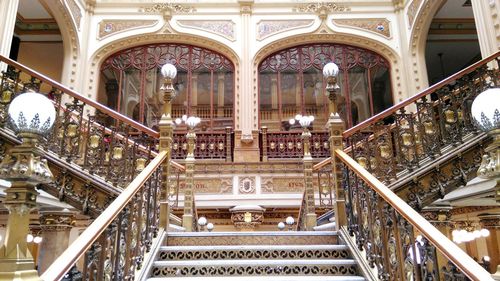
(254, 267)
(264, 278)
(253, 252)
(252, 238)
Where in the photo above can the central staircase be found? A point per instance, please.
(288, 255)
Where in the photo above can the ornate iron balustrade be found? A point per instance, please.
(386, 228)
(288, 144)
(397, 141)
(209, 145)
(114, 245)
(82, 134)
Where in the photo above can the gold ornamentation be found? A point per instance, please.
(282, 184)
(110, 27)
(317, 7)
(246, 185)
(379, 26)
(224, 28)
(172, 7)
(267, 28)
(75, 12)
(211, 185)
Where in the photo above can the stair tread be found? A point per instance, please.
(255, 262)
(254, 247)
(253, 233)
(265, 278)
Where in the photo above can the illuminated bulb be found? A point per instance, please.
(281, 225)
(291, 121)
(184, 117)
(485, 232)
(178, 121)
(298, 116)
(37, 239)
(476, 234)
(29, 238)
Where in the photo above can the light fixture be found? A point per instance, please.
(330, 70)
(281, 225)
(37, 240)
(202, 221)
(305, 121)
(485, 111)
(192, 122)
(210, 227)
(468, 232)
(31, 113)
(168, 70)
(290, 221)
(29, 238)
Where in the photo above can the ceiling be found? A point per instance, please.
(35, 23)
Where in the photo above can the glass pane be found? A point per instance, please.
(269, 109)
(290, 96)
(358, 94)
(179, 103)
(223, 103)
(381, 88)
(130, 95)
(314, 98)
(152, 98)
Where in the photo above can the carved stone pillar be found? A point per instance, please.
(492, 223)
(56, 227)
(8, 13)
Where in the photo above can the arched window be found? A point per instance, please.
(291, 82)
(131, 81)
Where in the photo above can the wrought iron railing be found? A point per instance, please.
(102, 141)
(398, 140)
(387, 229)
(289, 144)
(301, 219)
(114, 245)
(209, 145)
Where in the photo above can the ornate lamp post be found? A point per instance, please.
(187, 218)
(486, 112)
(305, 122)
(166, 136)
(202, 221)
(290, 221)
(335, 128)
(31, 116)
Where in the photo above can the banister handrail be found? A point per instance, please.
(322, 164)
(82, 98)
(416, 97)
(449, 249)
(68, 258)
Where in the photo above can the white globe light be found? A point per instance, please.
(486, 258)
(291, 121)
(281, 225)
(455, 232)
(32, 113)
(298, 116)
(290, 220)
(311, 118)
(29, 238)
(168, 70)
(485, 232)
(202, 221)
(193, 121)
(210, 226)
(37, 239)
(178, 121)
(330, 69)
(476, 234)
(184, 117)
(486, 109)
(305, 121)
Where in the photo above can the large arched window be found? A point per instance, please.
(291, 82)
(131, 81)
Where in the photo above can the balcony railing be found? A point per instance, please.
(289, 144)
(209, 145)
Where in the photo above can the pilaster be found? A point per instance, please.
(487, 25)
(8, 12)
(56, 226)
(492, 223)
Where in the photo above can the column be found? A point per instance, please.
(56, 226)
(492, 223)
(311, 218)
(8, 12)
(487, 25)
(187, 217)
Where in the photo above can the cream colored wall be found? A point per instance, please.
(44, 57)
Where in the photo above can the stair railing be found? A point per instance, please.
(387, 230)
(114, 245)
(397, 141)
(80, 133)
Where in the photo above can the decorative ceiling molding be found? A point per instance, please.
(111, 27)
(380, 26)
(328, 7)
(75, 11)
(267, 28)
(412, 11)
(224, 28)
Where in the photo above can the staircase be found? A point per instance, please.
(319, 255)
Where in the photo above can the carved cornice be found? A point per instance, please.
(267, 28)
(490, 221)
(168, 9)
(111, 27)
(224, 28)
(56, 220)
(472, 209)
(380, 26)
